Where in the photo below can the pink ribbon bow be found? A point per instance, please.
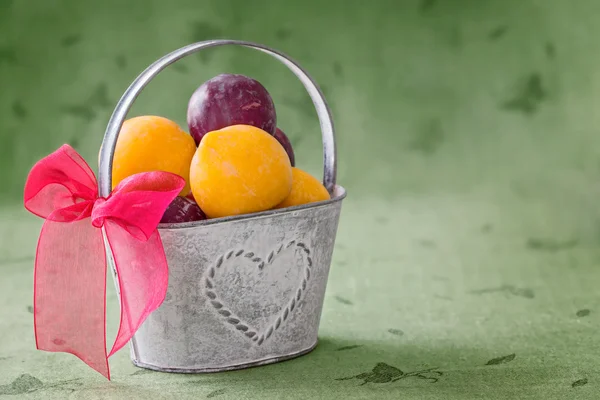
(70, 263)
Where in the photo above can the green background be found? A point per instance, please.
(467, 139)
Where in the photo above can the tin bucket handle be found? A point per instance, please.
(118, 117)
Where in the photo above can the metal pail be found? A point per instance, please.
(246, 290)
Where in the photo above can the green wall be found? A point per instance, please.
(428, 96)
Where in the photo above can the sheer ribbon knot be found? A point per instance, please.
(70, 262)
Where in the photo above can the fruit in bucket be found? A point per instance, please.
(305, 189)
(190, 196)
(243, 163)
(239, 169)
(152, 143)
(227, 100)
(287, 145)
(182, 209)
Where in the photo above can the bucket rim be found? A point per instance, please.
(339, 195)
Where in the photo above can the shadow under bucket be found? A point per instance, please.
(246, 290)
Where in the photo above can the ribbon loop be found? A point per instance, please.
(70, 264)
(58, 181)
(138, 203)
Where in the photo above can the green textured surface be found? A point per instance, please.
(468, 141)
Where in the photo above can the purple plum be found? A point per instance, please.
(287, 145)
(182, 209)
(230, 99)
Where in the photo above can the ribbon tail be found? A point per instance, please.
(70, 292)
(143, 277)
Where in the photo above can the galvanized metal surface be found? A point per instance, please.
(244, 290)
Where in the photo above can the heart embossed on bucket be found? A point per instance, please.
(257, 295)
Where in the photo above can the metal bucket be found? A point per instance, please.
(245, 290)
